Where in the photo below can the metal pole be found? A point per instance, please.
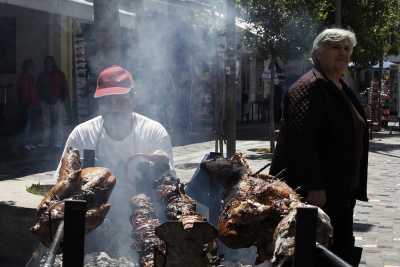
(55, 245)
(74, 233)
(328, 258)
(306, 219)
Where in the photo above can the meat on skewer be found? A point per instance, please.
(91, 184)
(178, 205)
(254, 207)
(144, 222)
(68, 180)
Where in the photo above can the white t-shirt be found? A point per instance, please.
(147, 136)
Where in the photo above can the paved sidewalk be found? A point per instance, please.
(377, 222)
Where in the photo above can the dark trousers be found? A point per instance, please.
(341, 215)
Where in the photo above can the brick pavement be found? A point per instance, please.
(377, 222)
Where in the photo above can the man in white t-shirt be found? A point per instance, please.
(116, 136)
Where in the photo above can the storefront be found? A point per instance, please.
(34, 30)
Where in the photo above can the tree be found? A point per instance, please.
(230, 78)
(375, 23)
(283, 29)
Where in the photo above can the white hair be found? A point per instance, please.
(332, 35)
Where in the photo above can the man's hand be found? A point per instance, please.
(316, 198)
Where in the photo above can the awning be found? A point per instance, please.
(80, 9)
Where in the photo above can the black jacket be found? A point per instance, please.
(315, 144)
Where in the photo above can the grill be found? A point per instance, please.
(184, 247)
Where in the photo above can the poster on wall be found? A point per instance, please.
(83, 76)
(8, 46)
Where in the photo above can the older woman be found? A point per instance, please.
(323, 144)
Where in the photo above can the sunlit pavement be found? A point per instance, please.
(377, 222)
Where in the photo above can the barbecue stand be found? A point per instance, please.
(186, 247)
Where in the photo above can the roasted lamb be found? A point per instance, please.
(91, 184)
(254, 206)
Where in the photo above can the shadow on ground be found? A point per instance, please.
(19, 163)
(259, 156)
(252, 131)
(8, 203)
(362, 227)
(187, 166)
(377, 146)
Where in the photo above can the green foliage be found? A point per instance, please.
(288, 27)
(39, 189)
(285, 27)
(376, 24)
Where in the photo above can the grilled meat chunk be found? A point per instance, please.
(254, 207)
(91, 184)
(178, 205)
(144, 223)
(68, 181)
(285, 232)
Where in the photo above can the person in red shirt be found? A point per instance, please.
(53, 90)
(29, 99)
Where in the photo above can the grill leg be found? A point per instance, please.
(74, 233)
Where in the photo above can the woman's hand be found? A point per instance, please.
(316, 198)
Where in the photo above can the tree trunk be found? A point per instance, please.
(107, 32)
(219, 111)
(338, 15)
(230, 76)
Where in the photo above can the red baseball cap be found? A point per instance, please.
(113, 80)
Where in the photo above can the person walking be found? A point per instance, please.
(29, 99)
(53, 90)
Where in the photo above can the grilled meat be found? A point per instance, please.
(227, 172)
(144, 223)
(178, 205)
(68, 180)
(253, 208)
(285, 232)
(189, 238)
(97, 182)
(91, 184)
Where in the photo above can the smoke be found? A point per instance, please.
(172, 61)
